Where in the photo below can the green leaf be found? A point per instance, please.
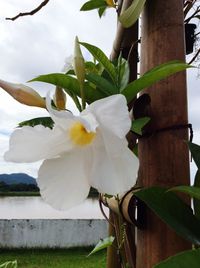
(91, 67)
(124, 74)
(195, 151)
(103, 84)
(103, 243)
(99, 55)
(101, 11)
(151, 77)
(70, 85)
(9, 264)
(186, 259)
(138, 124)
(192, 191)
(93, 4)
(173, 211)
(196, 202)
(197, 17)
(45, 121)
(132, 13)
(135, 149)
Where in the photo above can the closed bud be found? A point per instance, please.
(79, 63)
(60, 98)
(110, 3)
(23, 94)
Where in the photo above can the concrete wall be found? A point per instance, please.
(46, 233)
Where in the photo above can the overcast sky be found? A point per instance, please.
(39, 44)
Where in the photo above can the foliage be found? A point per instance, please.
(139, 124)
(55, 258)
(185, 259)
(173, 211)
(9, 264)
(102, 244)
(132, 13)
(19, 187)
(45, 121)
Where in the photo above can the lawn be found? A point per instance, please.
(68, 258)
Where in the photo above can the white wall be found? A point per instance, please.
(47, 233)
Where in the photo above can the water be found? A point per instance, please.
(36, 208)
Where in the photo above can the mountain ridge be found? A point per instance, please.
(15, 178)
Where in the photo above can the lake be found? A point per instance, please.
(35, 208)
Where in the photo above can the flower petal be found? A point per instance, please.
(89, 121)
(114, 167)
(62, 118)
(112, 113)
(63, 181)
(30, 144)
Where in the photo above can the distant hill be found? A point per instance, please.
(16, 178)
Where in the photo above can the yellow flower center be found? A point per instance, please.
(79, 134)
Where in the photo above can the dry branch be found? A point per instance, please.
(32, 12)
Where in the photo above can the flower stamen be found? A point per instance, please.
(79, 135)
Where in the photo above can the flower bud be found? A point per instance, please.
(110, 3)
(23, 94)
(79, 63)
(60, 98)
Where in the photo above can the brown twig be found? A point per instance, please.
(193, 15)
(102, 210)
(32, 12)
(195, 56)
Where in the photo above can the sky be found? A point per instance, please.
(39, 44)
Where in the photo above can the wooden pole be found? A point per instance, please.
(164, 158)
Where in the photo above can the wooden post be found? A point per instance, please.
(164, 158)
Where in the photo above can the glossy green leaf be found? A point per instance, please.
(192, 191)
(102, 84)
(99, 55)
(186, 259)
(9, 264)
(91, 67)
(123, 74)
(103, 243)
(93, 4)
(196, 202)
(101, 11)
(195, 151)
(138, 124)
(70, 85)
(132, 13)
(45, 121)
(173, 211)
(151, 77)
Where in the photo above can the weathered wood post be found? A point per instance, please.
(164, 158)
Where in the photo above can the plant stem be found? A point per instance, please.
(82, 96)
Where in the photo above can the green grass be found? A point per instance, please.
(68, 258)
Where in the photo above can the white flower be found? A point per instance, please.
(80, 151)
